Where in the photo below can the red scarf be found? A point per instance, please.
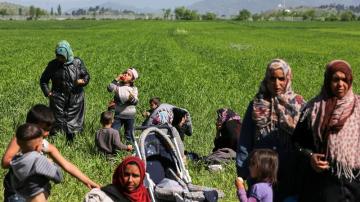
(140, 194)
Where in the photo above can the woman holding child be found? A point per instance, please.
(328, 139)
(127, 184)
(68, 77)
(269, 122)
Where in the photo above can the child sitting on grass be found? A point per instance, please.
(154, 103)
(107, 139)
(32, 171)
(43, 117)
(125, 101)
(263, 169)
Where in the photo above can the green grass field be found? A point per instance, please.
(200, 66)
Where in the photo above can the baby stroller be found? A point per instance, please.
(167, 177)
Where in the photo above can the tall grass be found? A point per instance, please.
(200, 66)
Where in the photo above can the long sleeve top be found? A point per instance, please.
(32, 173)
(108, 141)
(125, 108)
(259, 192)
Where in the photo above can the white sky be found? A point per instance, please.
(69, 4)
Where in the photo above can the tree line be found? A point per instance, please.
(331, 12)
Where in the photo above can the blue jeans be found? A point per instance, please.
(128, 127)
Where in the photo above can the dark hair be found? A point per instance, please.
(178, 115)
(106, 117)
(266, 163)
(40, 114)
(155, 100)
(28, 131)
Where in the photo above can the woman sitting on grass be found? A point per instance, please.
(127, 184)
(269, 122)
(228, 125)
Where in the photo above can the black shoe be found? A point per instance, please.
(70, 137)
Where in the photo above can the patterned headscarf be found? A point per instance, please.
(63, 48)
(334, 122)
(224, 115)
(273, 112)
(140, 193)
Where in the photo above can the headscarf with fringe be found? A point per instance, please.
(335, 124)
(276, 112)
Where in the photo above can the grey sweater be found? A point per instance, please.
(107, 140)
(32, 173)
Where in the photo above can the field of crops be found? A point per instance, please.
(200, 66)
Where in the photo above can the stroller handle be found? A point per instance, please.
(155, 126)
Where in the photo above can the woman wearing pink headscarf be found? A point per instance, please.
(127, 184)
(328, 139)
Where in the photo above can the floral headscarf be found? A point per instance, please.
(140, 193)
(225, 114)
(272, 112)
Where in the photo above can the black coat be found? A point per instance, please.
(67, 100)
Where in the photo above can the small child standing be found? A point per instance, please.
(126, 98)
(107, 139)
(263, 167)
(32, 171)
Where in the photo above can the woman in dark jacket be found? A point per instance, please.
(327, 139)
(269, 122)
(68, 76)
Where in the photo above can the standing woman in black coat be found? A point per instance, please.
(68, 76)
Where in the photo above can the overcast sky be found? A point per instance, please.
(69, 4)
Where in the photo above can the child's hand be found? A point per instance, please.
(120, 77)
(146, 114)
(239, 183)
(129, 147)
(111, 104)
(92, 185)
(131, 96)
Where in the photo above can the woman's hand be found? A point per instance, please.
(318, 163)
(50, 94)
(80, 82)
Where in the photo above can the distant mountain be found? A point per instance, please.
(119, 6)
(13, 9)
(232, 7)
